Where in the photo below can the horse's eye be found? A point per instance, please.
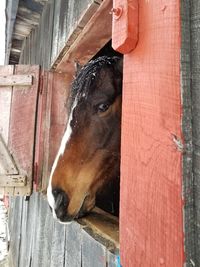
(103, 107)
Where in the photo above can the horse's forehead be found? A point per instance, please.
(100, 82)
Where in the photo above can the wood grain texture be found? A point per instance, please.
(7, 165)
(58, 245)
(95, 34)
(46, 40)
(41, 131)
(15, 229)
(73, 245)
(68, 23)
(5, 103)
(38, 240)
(12, 181)
(15, 80)
(41, 248)
(151, 218)
(22, 125)
(188, 177)
(47, 126)
(125, 24)
(93, 253)
(24, 259)
(105, 225)
(55, 119)
(5, 106)
(195, 84)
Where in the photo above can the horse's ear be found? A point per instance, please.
(78, 66)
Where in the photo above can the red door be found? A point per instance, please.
(151, 224)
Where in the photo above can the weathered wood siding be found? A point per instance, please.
(188, 181)
(38, 240)
(60, 24)
(195, 85)
(17, 124)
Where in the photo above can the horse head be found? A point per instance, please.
(89, 154)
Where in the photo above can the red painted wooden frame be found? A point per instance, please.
(151, 224)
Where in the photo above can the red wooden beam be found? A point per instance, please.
(151, 219)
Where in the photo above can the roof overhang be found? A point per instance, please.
(21, 17)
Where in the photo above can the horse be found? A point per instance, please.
(89, 154)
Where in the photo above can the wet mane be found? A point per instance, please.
(87, 75)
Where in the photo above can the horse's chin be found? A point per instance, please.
(87, 205)
(85, 209)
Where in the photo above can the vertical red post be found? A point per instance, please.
(151, 224)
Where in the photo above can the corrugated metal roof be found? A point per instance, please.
(21, 17)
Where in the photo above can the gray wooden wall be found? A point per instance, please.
(190, 79)
(37, 240)
(60, 23)
(195, 85)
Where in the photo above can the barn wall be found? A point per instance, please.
(190, 81)
(195, 85)
(36, 238)
(60, 24)
(187, 67)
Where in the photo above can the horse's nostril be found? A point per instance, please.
(61, 198)
(61, 202)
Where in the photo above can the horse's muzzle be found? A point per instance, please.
(61, 204)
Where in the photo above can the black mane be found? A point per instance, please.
(89, 73)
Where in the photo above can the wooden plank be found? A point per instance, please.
(47, 17)
(55, 34)
(105, 225)
(32, 226)
(47, 125)
(82, 13)
(41, 131)
(32, 47)
(46, 249)
(194, 81)
(5, 107)
(41, 249)
(15, 80)
(93, 253)
(22, 125)
(15, 231)
(73, 236)
(191, 250)
(95, 34)
(28, 47)
(64, 9)
(41, 45)
(55, 119)
(151, 204)
(57, 258)
(7, 165)
(5, 103)
(25, 236)
(12, 180)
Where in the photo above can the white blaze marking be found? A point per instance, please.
(61, 150)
